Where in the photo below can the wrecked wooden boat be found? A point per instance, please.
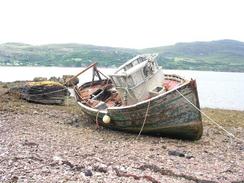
(139, 97)
(43, 92)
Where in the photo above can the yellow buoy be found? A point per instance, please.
(106, 119)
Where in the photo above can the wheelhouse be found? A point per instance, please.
(137, 78)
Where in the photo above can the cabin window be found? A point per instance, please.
(140, 60)
(130, 81)
(128, 66)
(148, 70)
(135, 62)
(138, 77)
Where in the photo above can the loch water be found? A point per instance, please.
(223, 90)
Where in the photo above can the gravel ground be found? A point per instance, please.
(47, 143)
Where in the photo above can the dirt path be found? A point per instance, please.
(44, 143)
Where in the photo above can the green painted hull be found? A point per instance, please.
(169, 114)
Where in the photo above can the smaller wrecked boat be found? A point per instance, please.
(138, 97)
(43, 92)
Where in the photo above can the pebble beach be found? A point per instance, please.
(58, 143)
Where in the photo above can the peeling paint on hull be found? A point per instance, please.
(169, 114)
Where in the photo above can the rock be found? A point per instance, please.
(176, 153)
(70, 83)
(55, 79)
(35, 112)
(57, 158)
(88, 173)
(100, 168)
(189, 156)
(180, 154)
(69, 121)
(68, 163)
(74, 121)
(152, 167)
(32, 144)
(14, 179)
(45, 170)
(37, 79)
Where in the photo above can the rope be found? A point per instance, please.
(144, 122)
(97, 124)
(211, 120)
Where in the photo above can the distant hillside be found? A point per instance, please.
(70, 55)
(222, 55)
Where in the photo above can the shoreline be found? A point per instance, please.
(36, 66)
(7, 85)
(191, 70)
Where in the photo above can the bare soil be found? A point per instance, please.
(48, 143)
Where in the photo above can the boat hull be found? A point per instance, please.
(169, 114)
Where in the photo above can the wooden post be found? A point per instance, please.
(90, 66)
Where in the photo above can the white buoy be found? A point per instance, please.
(106, 119)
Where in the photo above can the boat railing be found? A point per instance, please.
(175, 77)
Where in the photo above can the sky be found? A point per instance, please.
(120, 23)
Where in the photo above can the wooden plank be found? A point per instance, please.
(90, 66)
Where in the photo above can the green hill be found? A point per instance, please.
(222, 55)
(70, 55)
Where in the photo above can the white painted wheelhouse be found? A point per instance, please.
(138, 79)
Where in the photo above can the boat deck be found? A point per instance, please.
(102, 93)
